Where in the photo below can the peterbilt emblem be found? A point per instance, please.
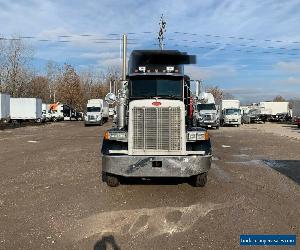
(156, 103)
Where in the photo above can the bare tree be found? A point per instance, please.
(216, 92)
(279, 98)
(15, 73)
(38, 88)
(69, 89)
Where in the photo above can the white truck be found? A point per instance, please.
(205, 112)
(57, 113)
(97, 112)
(46, 112)
(4, 107)
(26, 109)
(231, 113)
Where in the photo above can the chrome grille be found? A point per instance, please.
(156, 129)
(208, 117)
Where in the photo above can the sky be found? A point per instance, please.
(250, 49)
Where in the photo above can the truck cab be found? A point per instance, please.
(96, 112)
(206, 113)
(231, 113)
(154, 136)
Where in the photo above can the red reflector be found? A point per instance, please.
(156, 103)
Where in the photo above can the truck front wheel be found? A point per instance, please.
(112, 181)
(199, 180)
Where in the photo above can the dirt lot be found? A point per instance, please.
(286, 130)
(51, 196)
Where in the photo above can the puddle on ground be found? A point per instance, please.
(290, 168)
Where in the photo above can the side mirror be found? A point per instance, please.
(110, 98)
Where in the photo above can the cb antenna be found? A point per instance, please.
(162, 30)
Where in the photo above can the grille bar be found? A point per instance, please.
(157, 129)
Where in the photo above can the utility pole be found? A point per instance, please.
(162, 30)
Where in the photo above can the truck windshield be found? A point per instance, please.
(156, 86)
(233, 112)
(204, 106)
(93, 109)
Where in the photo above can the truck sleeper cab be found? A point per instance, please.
(157, 140)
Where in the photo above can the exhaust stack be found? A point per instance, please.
(121, 108)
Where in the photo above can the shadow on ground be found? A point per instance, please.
(154, 181)
(290, 168)
(107, 242)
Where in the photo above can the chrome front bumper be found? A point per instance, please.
(92, 122)
(155, 166)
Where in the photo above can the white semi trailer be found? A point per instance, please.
(26, 109)
(4, 107)
(275, 107)
(231, 113)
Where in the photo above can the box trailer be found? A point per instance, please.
(275, 107)
(26, 109)
(4, 107)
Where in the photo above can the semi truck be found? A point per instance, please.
(97, 112)
(154, 135)
(231, 113)
(205, 112)
(26, 109)
(4, 107)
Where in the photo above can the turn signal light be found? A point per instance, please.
(106, 135)
(206, 136)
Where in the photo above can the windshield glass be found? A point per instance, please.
(93, 109)
(204, 106)
(233, 112)
(156, 86)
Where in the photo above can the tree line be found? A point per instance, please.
(59, 83)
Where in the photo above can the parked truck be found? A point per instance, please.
(57, 111)
(296, 113)
(97, 112)
(26, 109)
(205, 112)
(231, 113)
(154, 136)
(46, 113)
(4, 107)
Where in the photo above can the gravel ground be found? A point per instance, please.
(51, 196)
(287, 130)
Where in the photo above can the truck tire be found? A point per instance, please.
(112, 181)
(101, 122)
(217, 127)
(54, 119)
(199, 180)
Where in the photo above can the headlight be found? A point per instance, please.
(85, 118)
(200, 136)
(192, 136)
(197, 136)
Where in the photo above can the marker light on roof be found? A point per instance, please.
(142, 68)
(170, 68)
